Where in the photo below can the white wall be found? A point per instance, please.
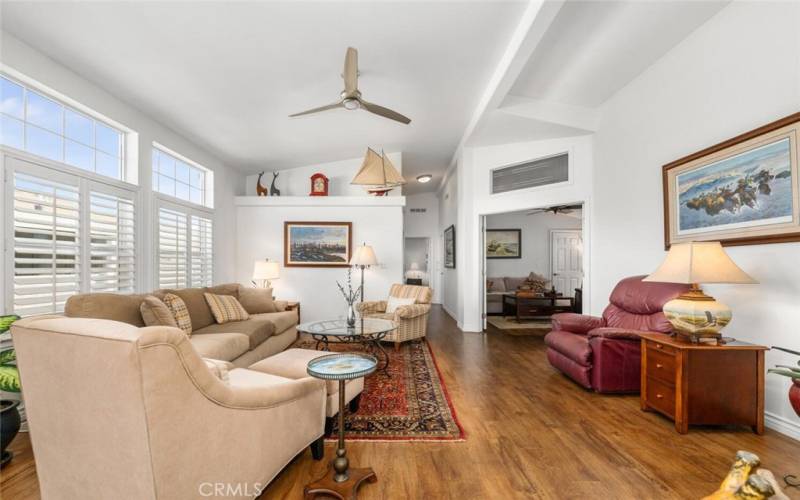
(426, 225)
(535, 240)
(260, 235)
(738, 71)
(476, 200)
(297, 181)
(228, 182)
(448, 215)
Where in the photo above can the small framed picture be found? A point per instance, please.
(450, 247)
(503, 244)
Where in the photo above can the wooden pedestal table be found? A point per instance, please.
(341, 481)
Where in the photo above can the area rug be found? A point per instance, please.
(510, 325)
(410, 404)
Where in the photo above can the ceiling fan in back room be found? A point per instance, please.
(350, 98)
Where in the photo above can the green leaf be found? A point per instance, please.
(6, 321)
(786, 350)
(9, 379)
(790, 368)
(786, 373)
(8, 356)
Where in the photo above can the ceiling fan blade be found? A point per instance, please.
(384, 112)
(350, 72)
(317, 110)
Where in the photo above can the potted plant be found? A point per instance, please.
(9, 382)
(792, 372)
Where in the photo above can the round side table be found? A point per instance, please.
(341, 481)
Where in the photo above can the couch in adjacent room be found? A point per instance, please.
(269, 330)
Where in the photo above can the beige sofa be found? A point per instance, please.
(241, 343)
(117, 411)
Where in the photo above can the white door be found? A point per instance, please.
(566, 260)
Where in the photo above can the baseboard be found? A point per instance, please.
(782, 425)
(449, 312)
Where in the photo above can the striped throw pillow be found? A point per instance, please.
(179, 311)
(226, 308)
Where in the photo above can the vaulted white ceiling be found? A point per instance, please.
(227, 74)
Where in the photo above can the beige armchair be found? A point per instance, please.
(412, 320)
(117, 411)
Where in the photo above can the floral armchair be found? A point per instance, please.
(412, 319)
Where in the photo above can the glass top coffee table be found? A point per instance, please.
(367, 331)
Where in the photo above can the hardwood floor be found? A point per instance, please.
(531, 433)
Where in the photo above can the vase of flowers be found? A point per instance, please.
(350, 296)
(792, 372)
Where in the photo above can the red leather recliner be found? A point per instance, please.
(604, 353)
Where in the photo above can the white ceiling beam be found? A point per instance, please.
(533, 24)
(578, 117)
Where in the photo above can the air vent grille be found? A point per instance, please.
(541, 172)
(418, 210)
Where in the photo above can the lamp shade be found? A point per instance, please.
(363, 256)
(414, 266)
(266, 270)
(699, 262)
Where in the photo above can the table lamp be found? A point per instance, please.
(265, 270)
(695, 315)
(362, 258)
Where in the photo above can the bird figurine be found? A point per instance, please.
(260, 190)
(744, 483)
(273, 191)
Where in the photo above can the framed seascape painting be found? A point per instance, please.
(450, 247)
(317, 244)
(503, 244)
(744, 191)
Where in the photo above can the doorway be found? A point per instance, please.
(416, 261)
(533, 266)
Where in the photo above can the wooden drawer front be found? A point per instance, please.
(661, 396)
(661, 365)
(658, 346)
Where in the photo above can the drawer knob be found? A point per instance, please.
(659, 396)
(659, 365)
(658, 346)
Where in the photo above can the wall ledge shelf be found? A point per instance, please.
(320, 201)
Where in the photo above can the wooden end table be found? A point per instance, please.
(293, 305)
(523, 305)
(341, 481)
(703, 384)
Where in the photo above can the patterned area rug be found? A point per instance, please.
(410, 404)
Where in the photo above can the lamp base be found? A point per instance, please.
(696, 316)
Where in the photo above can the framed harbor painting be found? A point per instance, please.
(317, 244)
(450, 247)
(744, 191)
(503, 244)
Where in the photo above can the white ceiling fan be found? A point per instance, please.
(350, 98)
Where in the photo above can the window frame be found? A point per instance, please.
(208, 179)
(27, 163)
(130, 139)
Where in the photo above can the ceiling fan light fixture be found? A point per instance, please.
(424, 178)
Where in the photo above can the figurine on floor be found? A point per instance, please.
(742, 483)
(260, 190)
(273, 191)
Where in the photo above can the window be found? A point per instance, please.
(179, 177)
(70, 235)
(185, 247)
(44, 127)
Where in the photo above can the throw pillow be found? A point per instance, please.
(218, 368)
(537, 283)
(226, 308)
(179, 311)
(394, 302)
(257, 300)
(156, 313)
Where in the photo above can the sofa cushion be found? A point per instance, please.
(293, 363)
(156, 313)
(257, 329)
(496, 285)
(177, 307)
(575, 347)
(195, 303)
(113, 306)
(224, 346)
(245, 378)
(225, 308)
(257, 300)
(224, 289)
(514, 283)
(282, 320)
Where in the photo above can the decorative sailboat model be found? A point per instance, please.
(377, 174)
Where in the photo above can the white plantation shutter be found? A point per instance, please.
(202, 262)
(173, 253)
(46, 240)
(112, 249)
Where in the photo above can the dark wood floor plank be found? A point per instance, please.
(531, 433)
